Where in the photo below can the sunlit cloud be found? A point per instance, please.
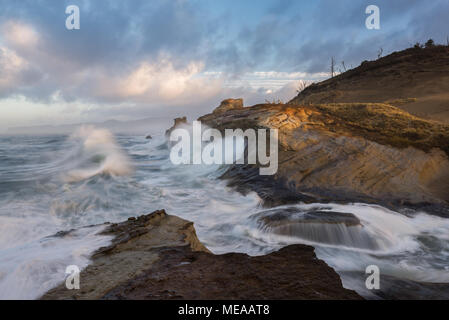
(19, 35)
(139, 58)
(159, 82)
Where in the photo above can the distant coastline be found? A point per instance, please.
(140, 126)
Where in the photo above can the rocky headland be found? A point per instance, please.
(347, 152)
(415, 80)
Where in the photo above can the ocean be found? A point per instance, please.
(55, 183)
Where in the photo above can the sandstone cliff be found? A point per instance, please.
(373, 153)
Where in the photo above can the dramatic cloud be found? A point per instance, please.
(13, 69)
(159, 83)
(138, 58)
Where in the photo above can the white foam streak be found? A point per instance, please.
(41, 264)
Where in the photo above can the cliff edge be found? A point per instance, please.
(415, 80)
(348, 152)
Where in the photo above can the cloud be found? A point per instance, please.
(11, 69)
(139, 57)
(15, 73)
(158, 82)
(19, 35)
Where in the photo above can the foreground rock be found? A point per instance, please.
(158, 256)
(372, 153)
(291, 273)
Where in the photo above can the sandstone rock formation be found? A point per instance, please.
(372, 153)
(158, 256)
(229, 104)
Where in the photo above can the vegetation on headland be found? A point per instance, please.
(386, 124)
(415, 79)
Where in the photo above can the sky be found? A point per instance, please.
(139, 58)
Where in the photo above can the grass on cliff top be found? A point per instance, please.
(386, 124)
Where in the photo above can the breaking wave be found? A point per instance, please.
(96, 152)
(59, 183)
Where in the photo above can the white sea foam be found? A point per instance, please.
(31, 269)
(98, 185)
(98, 153)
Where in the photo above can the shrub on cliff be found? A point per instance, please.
(430, 43)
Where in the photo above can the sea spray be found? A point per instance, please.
(99, 154)
(36, 203)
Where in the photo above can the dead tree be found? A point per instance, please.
(379, 53)
(332, 67)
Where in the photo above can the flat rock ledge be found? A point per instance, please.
(158, 256)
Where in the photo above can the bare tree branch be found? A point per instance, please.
(379, 53)
(332, 67)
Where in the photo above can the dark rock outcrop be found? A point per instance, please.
(290, 273)
(319, 225)
(289, 215)
(158, 256)
(177, 122)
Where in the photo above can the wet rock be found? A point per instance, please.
(393, 288)
(317, 225)
(273, 191)
(177, 122)
(290, 273)
(279, 217)
(134, 248)
(149, 137)
(158, 256)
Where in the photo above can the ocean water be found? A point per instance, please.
(58, 183)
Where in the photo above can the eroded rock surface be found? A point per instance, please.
(135, 248)
(348, 153)
(229, 104)
(290, 273)
(158, 256)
